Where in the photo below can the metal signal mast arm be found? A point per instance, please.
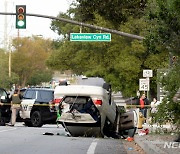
(81, 24)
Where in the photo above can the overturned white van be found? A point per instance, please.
(89, 110)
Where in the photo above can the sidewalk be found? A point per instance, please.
(157, 143)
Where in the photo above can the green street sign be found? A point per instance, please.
(90, 37)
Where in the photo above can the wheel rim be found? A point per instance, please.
(35, 119)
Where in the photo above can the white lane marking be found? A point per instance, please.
(1, 131)
(92, 147)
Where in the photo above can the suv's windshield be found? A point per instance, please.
(39, 94)
(30, 94)
(3, 93)
(45, 96)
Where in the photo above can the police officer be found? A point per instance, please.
(15, 106)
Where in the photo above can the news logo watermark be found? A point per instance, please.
(173, 145)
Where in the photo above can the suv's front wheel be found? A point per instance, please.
(36, 119)
(28, 123)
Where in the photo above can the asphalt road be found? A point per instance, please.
(52, 140)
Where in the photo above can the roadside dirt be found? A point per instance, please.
(161, 139)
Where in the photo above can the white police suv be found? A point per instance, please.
(37, 107)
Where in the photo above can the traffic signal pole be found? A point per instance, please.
(81, 24)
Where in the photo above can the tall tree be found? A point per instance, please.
(29, 57)
(120, 62)
(6, 81)
(165, 34)
(116, 11)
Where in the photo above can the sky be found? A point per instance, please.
(34, 25)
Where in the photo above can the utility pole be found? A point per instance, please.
(9, 63)
(6, 46)
(5, 27)
(18, 34)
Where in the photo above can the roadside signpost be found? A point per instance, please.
(102, 37)
(147, 73)
(143, 85)
(161, 92)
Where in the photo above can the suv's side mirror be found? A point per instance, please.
(3, 98)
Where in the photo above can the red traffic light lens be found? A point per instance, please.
(20, 10)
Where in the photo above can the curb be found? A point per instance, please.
(148, 146)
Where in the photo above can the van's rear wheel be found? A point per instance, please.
(36, 119)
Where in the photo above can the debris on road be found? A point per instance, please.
(143, 132)
(47, 133)
(130, 139)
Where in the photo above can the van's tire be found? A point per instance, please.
(36, 119)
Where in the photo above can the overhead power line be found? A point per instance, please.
(81, 24)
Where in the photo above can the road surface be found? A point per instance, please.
(52, 140)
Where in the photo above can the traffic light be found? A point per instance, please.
(21, 16)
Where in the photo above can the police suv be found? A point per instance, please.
(36, 107)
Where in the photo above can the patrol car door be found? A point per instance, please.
(27, 103)
(5, 108)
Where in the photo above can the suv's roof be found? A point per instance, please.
(47, 87)
(3, 89)
(40, 89)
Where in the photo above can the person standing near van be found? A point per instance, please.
(154, 105)
(15, 106)
(143, 102)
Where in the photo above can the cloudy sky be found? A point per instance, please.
(34, 25)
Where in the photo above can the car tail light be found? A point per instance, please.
(57, 100)
(97, 102)
(54, 104)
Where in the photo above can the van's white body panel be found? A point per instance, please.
(106, 109)
(82, 123)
